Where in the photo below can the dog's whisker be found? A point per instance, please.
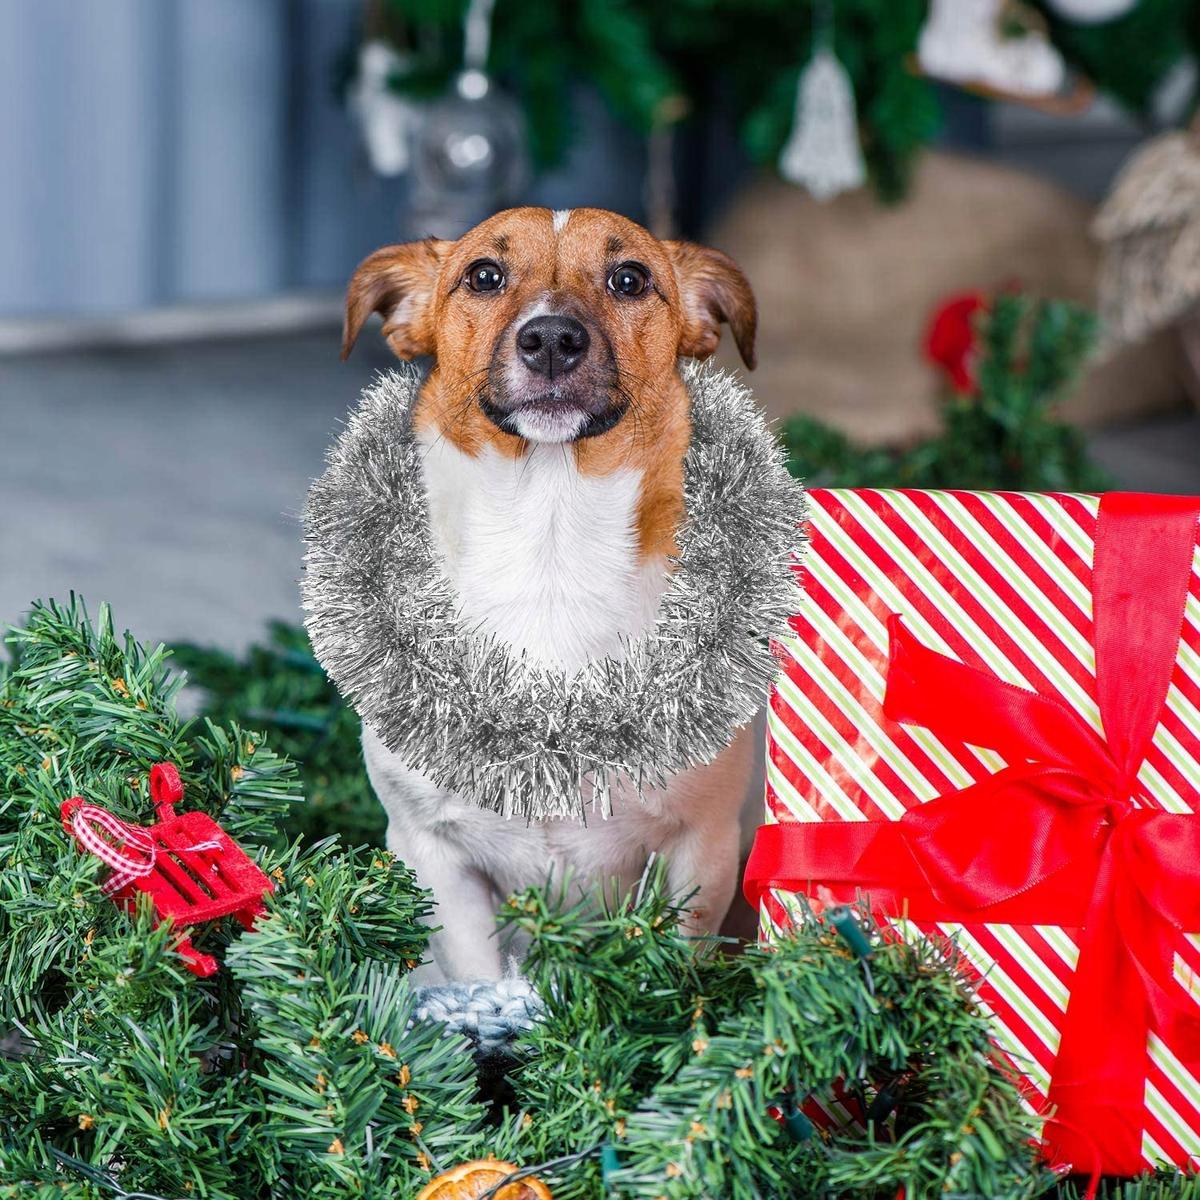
(640, 441)
(460, 408)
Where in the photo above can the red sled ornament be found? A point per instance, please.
(988, 721)
(192, 870)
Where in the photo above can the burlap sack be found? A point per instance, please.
(845, 290)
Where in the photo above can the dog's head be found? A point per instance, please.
(551, 326)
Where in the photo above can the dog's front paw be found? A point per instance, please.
(490, 1013)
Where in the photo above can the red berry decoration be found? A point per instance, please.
(950, 340)
(186, 863)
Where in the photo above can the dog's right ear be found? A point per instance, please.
(399, 283)
(713, 290)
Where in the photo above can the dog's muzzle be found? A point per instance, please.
(552, 381)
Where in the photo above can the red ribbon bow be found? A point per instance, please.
(131, 850)
(1059, 837)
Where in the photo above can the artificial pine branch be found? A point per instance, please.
(279, 687)
(823, 1015)
(1159, 1185)
(627, 987)
(356, 1097)
(121, 1071)
(672, 1053)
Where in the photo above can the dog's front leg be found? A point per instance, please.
(704, 863)
(703, 855)
(423, 821)
(466, 946)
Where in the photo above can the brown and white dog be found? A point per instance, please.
(554, 424)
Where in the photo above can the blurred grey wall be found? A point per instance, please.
(163, 151)
(154, 151)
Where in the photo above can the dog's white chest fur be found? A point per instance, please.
(542, 556)
(547, 560)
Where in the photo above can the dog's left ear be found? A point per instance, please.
(399, 283)
(713, 290)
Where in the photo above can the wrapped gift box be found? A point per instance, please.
(988, 721)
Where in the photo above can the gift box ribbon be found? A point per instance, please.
(1060, 836)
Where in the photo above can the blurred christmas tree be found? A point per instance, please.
(657, 62)
(1130, 57)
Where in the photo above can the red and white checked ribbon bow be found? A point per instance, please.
(129, 849)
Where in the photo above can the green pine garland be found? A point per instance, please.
(1162, 1185)
(280, 687)
(116, 1058)
(672, 1053)
(298, 1065)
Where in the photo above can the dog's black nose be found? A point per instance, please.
(552, 345)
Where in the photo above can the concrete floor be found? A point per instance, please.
(168, 480)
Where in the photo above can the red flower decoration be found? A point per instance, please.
(950, 341)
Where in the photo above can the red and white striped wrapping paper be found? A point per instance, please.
(1002, 582)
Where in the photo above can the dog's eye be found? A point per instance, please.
(484, 276)
(629, 279)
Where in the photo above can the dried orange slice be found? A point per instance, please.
(473, 1179)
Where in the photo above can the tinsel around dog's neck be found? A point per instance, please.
(484, 721)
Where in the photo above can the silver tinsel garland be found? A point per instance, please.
(482, 720)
